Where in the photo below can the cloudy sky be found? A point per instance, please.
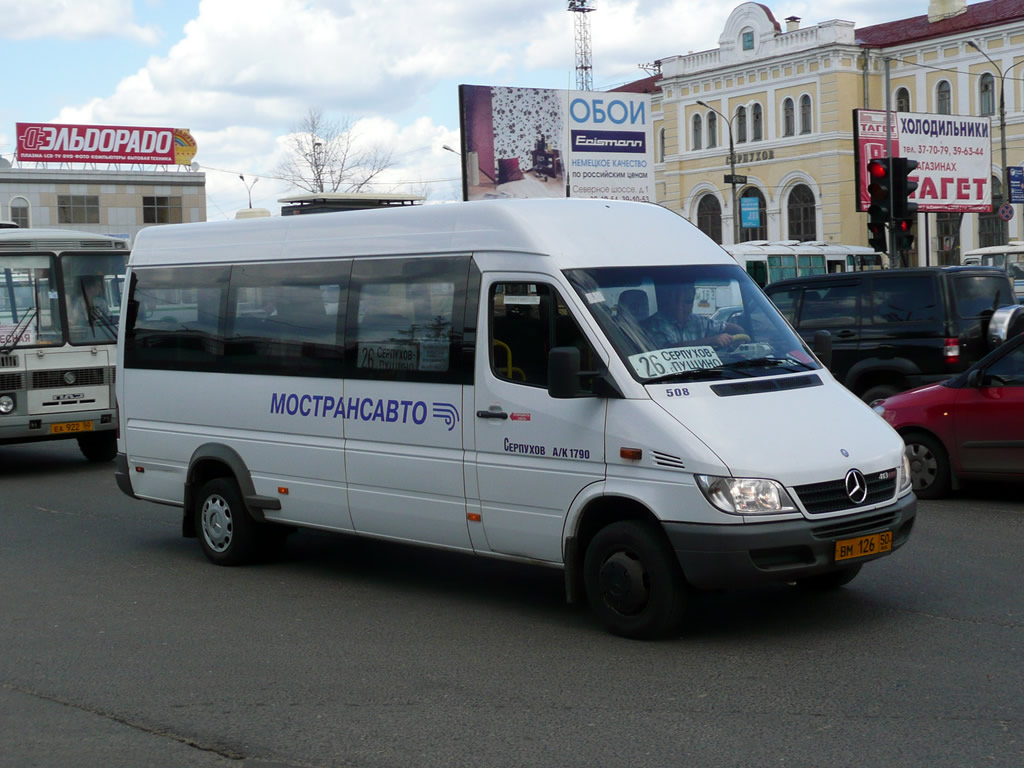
(240, 74)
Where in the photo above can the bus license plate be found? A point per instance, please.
(70, 426)
(862, 546)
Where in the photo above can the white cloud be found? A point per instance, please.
(72, 20)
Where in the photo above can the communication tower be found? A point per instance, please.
(584, 70)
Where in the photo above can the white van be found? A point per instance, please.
(493, 377)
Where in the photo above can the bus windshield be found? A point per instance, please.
(690, 322)
(92, 295)
(29, 312)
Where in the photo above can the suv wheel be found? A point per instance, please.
(879, 392)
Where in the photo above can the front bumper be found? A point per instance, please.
(726, 556)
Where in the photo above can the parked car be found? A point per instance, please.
(896, 329)
(971, 426)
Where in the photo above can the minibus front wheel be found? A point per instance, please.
(228, 535)
(633, 580)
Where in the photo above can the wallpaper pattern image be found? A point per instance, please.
(522, 116)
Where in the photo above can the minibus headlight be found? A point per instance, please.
(746, 495)
(6, 404)
(905, 478)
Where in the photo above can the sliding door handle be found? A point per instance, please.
(491, 415)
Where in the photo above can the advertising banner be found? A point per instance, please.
(538, 142)
(953, 153)
(57, 143)
(1016, 174)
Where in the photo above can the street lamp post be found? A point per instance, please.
(1002, 120)
(732, 173)
(248, 186)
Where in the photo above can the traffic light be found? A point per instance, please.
(902, 188)
(904, 210)
(880, 210)
(904, 234)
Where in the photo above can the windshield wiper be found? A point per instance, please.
(769, 362)
(18, 330)
(695, 374)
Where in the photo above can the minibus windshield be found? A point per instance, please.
(699, 322)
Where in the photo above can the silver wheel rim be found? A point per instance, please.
(217, 524)
(924, 466)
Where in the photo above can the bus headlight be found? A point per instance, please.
(6, 404)
(745, 495)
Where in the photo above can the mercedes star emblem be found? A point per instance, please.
(856, 486)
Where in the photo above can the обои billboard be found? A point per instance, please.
(57, 143)
(953, 154)
(540, 142)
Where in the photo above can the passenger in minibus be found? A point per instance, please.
(676, 324)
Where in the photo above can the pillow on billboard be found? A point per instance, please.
(508, 170)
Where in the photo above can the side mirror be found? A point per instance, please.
(823, 347)
(974, 378)
(564, 372)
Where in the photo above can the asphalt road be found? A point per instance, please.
(122, 646)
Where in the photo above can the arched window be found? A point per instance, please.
(709, 217)
(760, 232)
(800, 211)
(944, 98)
(987, 105)
(788, 118)
(696, 132)
(712, 130)
(19, 212)
(992, 230)
(902, 100)
(661, 145)
(756, 123)
(805, 114)
(741, 124)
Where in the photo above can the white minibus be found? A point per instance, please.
(1009, 257)
(520, 379)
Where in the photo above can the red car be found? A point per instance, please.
(971, 426)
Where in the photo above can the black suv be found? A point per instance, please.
(896, 329)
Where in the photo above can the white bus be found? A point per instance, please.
(60, 298)
(518, 379)
(767, 261)
(1009, 257)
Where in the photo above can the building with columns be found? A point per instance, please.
(784, 96)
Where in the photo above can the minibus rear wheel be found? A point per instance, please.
(228, 535)
(98, 446)
(633, 580)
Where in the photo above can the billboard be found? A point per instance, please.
(63, 143)
(539, 142)
(953, 154)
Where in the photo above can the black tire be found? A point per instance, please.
(99, 446)
(228, 535)
(634, 583)
(832, 579)
(929, 465)
(878, 392)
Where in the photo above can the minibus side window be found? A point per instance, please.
(287, 319)
(526, 320)
(179, 322)
(405, 319)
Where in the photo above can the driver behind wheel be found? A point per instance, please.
(675, 324)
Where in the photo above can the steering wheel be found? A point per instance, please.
(739, 338)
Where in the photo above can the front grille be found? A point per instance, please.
(845, 528)
(84, 377)
(9, 381)
(819, 498)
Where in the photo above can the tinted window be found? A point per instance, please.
(1007, 371)
(176, 318)
(528, 319)
(827, 306)
(786, 300)
(283, 318)
(909, 299)
(406, 319)
(977, 293)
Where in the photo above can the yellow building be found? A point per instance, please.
(785, 100)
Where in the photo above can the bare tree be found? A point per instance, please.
(327, 156)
